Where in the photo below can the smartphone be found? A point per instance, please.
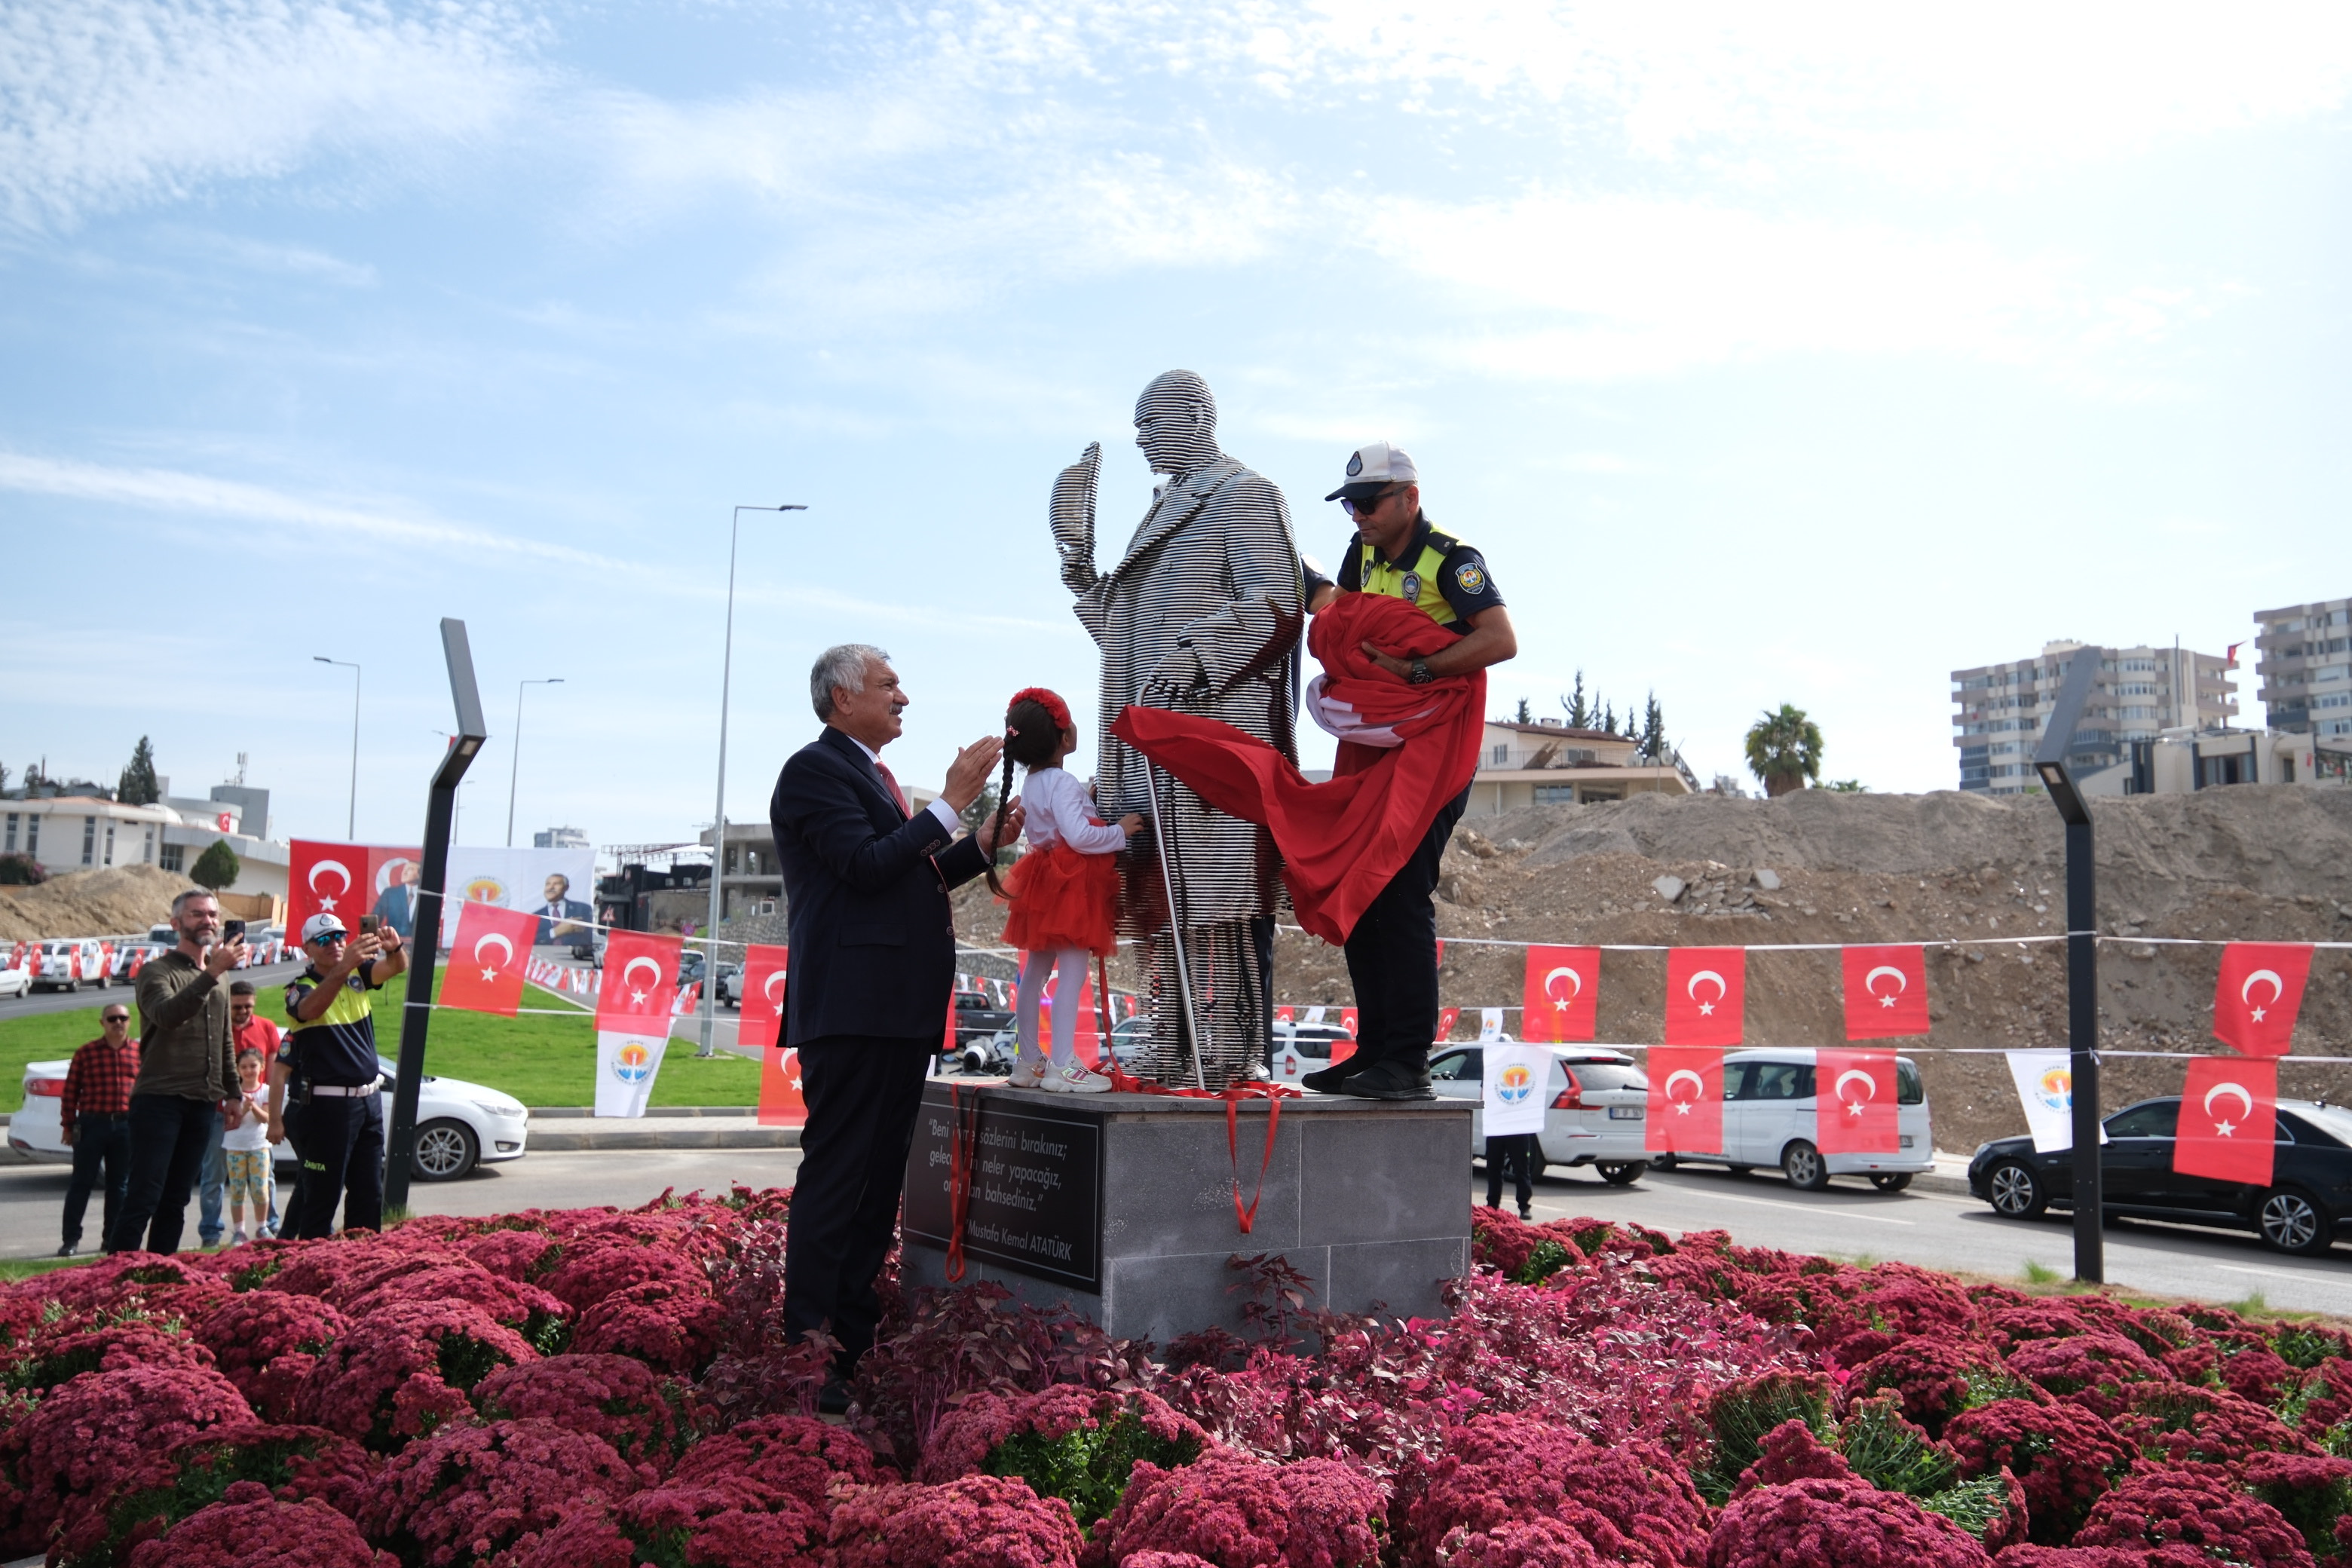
(232, 930)
(367, 924)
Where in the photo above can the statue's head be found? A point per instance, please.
(1176, 423)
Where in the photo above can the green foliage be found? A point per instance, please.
(21, 871)
(1742, 1413)
(1847, 786)
(2302, 1347)
(1987, 1385)
(1548, 1258)
(1784, 750)
(1088, 1468)
(1525, 716)
(1893, 1454)
(2041, 1274)
(1654, 731)
(1974, 1505)
(216, 868)
(1580, 713)
(138, 786)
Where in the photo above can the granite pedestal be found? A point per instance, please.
(1122, 1204)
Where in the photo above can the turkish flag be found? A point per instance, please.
(326, 878)
(1885, 992)
(759, 1019)
(2258, 994)
(1685, 1113)
(1562, 998)
(2228, 1119)
(640, 983)
(487, 959)
(1707, 989)
(1342, 1049)
(1446, 1018)
(1853, 1103)
(781, 1104)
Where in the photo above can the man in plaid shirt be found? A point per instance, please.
(94, 1113)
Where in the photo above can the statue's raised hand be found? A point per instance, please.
(1073, 517)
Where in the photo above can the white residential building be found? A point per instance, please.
(2141, 693)
(2305, 653)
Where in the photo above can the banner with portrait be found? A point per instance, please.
(556, 887)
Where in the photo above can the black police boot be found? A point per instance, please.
(1391, 1078)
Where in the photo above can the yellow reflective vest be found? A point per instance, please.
(1416, 580)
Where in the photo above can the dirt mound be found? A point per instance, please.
(118, 900)
(2249, 862)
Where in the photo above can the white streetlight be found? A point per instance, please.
(718, 813)
(351, 822)
(514, 762)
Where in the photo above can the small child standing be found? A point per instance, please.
(245, 1149)
(1063, 893)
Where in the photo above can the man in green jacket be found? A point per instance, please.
(186, 1068)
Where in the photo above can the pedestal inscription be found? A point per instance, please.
(1036, 1185)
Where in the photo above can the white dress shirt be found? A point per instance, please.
(939, 806)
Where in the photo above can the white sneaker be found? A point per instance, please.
(1076, 1079)
(1025, 1074)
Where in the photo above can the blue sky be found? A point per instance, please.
(1771, 354)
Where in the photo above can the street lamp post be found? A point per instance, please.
(351, 822)
(708, 1046)
(514, 762)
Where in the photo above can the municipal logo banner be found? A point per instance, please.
(627, 1065)
(1517, 1079)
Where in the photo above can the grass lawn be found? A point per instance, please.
(540, 1060)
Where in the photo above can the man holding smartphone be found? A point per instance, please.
(330, 1064)
(186, 1068)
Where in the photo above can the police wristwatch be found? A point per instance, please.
(1421, 675)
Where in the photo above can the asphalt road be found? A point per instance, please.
(90, 996)
(1849, 1222)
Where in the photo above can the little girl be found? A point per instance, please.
(244, 1150)
(1063, 893)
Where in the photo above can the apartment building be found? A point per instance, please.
(1548, 764)
(2141, 692)
(2304, 655)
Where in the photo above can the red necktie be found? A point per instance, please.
(884, 769)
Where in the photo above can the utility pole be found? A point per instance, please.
(514, 758)
(2082, 961)
(351, 822)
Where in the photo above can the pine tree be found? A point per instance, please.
(1526, 717)
(1654, 731)
(1580, 712)
(216, 868)
(138, 786)
(1609, 718)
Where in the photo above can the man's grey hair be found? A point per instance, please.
(181, 902)
(844, 667)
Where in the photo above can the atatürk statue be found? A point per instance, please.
(1201, 616)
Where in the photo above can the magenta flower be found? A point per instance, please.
(253, 1529)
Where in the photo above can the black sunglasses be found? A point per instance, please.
(116, 1018)
(1358, 506)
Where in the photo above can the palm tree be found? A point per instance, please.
(1784, 750)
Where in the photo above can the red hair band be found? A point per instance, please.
(1056, 709)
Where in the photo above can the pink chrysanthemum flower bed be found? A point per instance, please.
(599, 1389)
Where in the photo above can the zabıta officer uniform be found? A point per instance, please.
(1392, 951)
(334, 1119)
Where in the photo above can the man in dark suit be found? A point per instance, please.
(396, 905)
(561, 917)
(873, 946)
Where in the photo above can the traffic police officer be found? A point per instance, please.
(329, 1057)
(1393, 951)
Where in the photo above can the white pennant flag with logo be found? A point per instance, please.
(1516, 1077)
(2045, 1087)
(627, 1065)
(1490, 1023)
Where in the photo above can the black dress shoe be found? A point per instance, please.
(67, 1250)
(1390, 1080)
(1327, 1081)
(833, 1399)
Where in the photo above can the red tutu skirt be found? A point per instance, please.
(1062, 899)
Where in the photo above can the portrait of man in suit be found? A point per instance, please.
(873, 944)
(561, 917)
(396, 905)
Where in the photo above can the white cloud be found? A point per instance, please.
(108, 104)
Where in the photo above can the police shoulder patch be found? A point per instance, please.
(1471, 577)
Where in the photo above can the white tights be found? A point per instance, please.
(1071, 964)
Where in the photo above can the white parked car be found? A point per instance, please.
(1596, 1106)
(459, 1124)
(1302, 1048)
(1768, 1109)
(15, 982)
(67, 964)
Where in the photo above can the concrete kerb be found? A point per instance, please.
(569, 1129)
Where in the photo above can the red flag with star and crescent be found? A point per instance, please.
(760, 1007)
(2229, 1120)
(1686, 1111)
(326, 878)
(1707, 990)
(2258, 994)
(487, 959)
(1853, 1103)
(640, 983)
(1885, 992)
(1562, 997)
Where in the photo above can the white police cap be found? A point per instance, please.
(1375, 463)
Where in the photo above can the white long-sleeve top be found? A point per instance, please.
(1060, 811)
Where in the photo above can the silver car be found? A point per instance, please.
(1596, 1107)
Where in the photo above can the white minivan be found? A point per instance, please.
(1768, 1110)
(1596, 1105)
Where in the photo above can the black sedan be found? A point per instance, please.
(2309, 1196)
